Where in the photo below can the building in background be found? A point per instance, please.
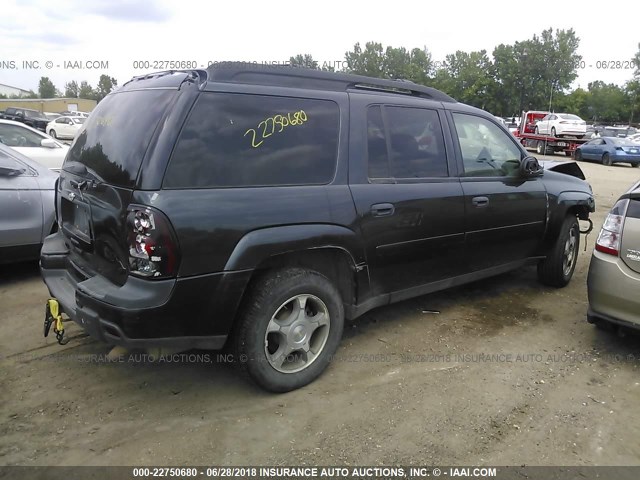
(8, 90)
(53, 105)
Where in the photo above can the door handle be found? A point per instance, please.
(382, 209)
(480, 202)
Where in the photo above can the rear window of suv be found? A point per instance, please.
(117, 134)
(241, 140)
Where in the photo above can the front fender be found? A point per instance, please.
(578, 202)
(583, 202)
(258, 245)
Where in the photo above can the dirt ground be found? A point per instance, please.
(499, 372)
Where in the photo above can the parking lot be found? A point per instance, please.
(499, 372)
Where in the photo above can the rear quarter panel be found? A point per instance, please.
(210, 223)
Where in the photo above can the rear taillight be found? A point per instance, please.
(611, 232)
(153, 248)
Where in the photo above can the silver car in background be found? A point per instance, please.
(614, 272)
(27, 206)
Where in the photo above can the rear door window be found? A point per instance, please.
(240, 140)
(405, 142)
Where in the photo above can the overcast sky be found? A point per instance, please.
(122, 31)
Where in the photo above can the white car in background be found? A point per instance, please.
(635, 138)
(75, 113)
(557, 124)
(65, 127)
(51, 116)
(33, 144)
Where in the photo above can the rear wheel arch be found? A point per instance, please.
(334, 263)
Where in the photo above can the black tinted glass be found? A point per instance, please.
(411, 145)
(417, 143)
(234, 140)
(117, 134)
(377, 144)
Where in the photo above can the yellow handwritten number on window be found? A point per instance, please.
(267, 127)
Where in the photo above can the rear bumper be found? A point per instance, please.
(627, 158)
(183, 313)
(613, 291)
(570, 131)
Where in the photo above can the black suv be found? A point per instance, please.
(32, 118)
(260, 207)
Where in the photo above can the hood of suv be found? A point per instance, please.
(568, 168)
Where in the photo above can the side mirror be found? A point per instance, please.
(529, 167)
(48, 143)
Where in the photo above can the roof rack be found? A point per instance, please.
(161, 76)
(287, 76)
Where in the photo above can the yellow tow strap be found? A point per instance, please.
(58, 328)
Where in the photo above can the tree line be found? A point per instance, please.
(534, 74)
(46, 89)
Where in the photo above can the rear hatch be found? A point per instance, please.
(99, 175)
(630, 245)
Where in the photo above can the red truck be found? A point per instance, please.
(544, 144)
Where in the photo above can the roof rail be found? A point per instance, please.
(287, 76)
(192, 75)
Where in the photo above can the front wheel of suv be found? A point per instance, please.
(290, 327)
(557, 269)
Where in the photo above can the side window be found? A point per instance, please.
(15, 136)
(411, 146)
(487, 151)
(238, 140)
(377, 144)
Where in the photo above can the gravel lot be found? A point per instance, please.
(499, 372)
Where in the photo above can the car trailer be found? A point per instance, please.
(548, 145)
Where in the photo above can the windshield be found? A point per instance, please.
(116, 135)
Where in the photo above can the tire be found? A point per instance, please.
(606, 160)
(536, 131)
(268, 307)
(52, 133)
(553, 131)
(578, 155)
(636, 165)
(557, 269)
(540, 147)
(579, 137)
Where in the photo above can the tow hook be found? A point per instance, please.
(53, 317)
(587, 232)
